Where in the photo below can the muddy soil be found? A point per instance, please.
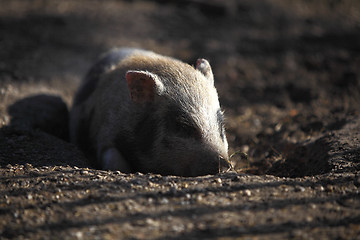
(287, 73)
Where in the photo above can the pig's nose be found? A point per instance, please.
(224, 164)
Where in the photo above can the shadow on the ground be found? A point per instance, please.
(38, 134)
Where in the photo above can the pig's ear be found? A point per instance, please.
(143, 86)
(204, 67)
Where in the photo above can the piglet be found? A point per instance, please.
(140, 111)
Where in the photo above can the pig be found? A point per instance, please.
(140, 111)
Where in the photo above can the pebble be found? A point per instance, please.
(329, 188)
(164, 201)
(150, 221)
(79, 235)
(244, 148)
(218, 180)
(247, 192)
(299, 189)
(178, 228)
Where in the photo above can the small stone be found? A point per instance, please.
(247, 192)
(150, 221)
(299, 189)
(164, 201)
(329, 188)
(244, 148)
(278, 127)
(274, 194)
(313, 206)
(79, 235)
(28, 166)
(178, 228)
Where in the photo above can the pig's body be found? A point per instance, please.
(140, 111)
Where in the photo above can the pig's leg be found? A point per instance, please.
(112, 159)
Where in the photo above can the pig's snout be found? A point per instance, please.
(209, 165)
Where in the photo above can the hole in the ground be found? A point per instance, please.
(303, 160)
(297, 160)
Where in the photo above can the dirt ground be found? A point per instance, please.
(288, 76)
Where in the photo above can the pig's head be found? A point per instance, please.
(181, 131)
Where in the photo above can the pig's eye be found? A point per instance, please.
(180, 124)
(185, 130)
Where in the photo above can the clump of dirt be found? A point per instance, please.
(44, 112)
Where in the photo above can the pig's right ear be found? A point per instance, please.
(143, 86)
(204, 67)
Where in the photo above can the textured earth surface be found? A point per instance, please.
(288, 76)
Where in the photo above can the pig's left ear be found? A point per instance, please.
(204, 67)
(143, 86)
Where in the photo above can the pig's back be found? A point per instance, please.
(106, 62)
